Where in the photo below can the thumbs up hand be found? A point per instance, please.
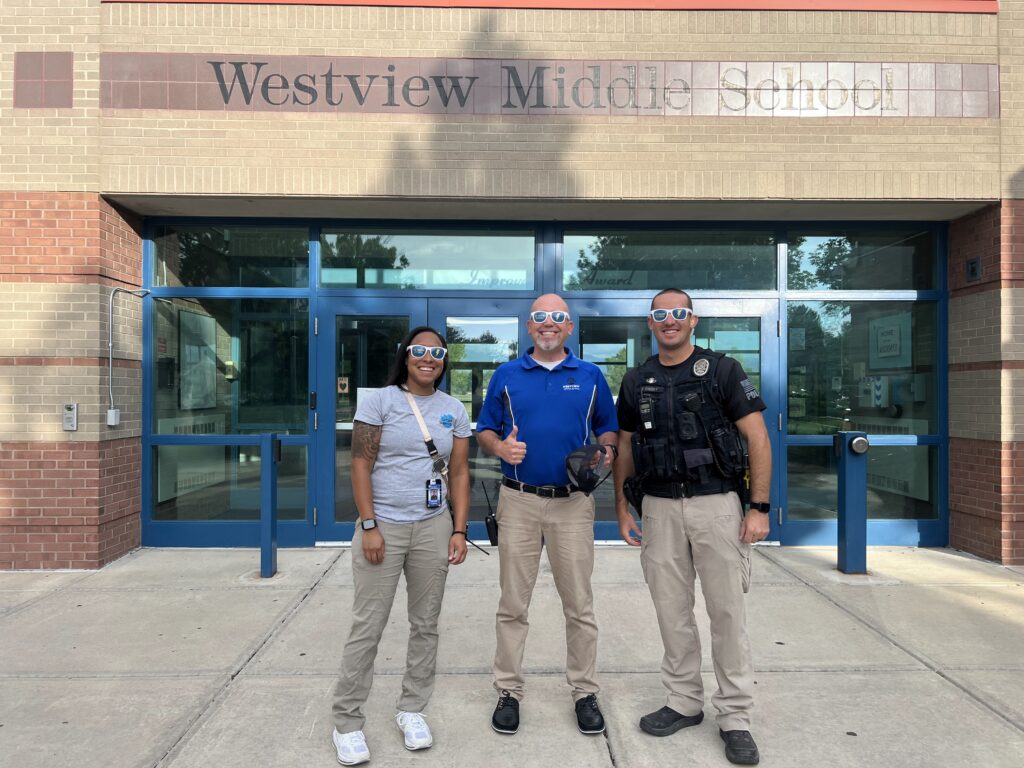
(511, 450)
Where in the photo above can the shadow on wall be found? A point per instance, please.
(483, 156)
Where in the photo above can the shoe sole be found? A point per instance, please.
(357, 762)
(678, 725)
(415, 749)
(590, 733)
(504, 731)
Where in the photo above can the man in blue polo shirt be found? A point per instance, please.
(538, 409)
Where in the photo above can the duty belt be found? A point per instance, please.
(685, 490)
(544, 491)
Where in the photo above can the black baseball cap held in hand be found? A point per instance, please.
(588, 468)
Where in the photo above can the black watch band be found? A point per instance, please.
(760, 506)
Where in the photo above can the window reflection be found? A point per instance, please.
(652, 260)
(901, 483)
(502, 261)
(862, 260)
(867, 366)
(230, 366)
(265, 257)
(737, 337)
(222, 483)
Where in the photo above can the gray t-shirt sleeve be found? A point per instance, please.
(370, 409)
(462, 427)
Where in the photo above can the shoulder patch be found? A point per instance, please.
(749, 389)
(700, 368)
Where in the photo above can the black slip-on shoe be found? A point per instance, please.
(740, 748)
(667, 721)
(506, 715)
(589, 719)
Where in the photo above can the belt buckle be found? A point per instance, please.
(546, 492)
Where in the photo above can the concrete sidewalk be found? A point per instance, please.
(187, 659)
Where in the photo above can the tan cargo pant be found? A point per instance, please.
(420, 550)
(700, 535)
(566, 527)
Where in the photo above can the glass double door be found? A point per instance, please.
(358, 339)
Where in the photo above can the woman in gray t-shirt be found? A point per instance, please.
(404, 527)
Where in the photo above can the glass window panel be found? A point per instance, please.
(265, 257)
(496, 261)
(615, 345)
(694, 260)
(902, 483)
(230, 366)
(222, 483)
(737, 337)
(476, 347)
(867, 366)
(853, 259)
(366, 348)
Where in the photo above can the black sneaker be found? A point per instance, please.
(588, 716)
(740, 748)
(506, 715)
(667, 721)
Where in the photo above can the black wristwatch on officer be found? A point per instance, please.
(760, 506)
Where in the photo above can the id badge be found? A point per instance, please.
(434, 493)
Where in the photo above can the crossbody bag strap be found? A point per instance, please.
(439, 464)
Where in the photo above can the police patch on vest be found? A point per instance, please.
(749, 389)
(701, 367)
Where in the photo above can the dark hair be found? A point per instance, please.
(399, 372)
(689, 301)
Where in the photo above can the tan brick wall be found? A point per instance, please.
(1011, 60)
(367, 155)
(51, 149)
(975, 399)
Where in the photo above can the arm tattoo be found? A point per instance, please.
(366, 441)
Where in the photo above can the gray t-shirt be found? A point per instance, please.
(403, 464)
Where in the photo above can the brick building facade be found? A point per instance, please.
(109, 127)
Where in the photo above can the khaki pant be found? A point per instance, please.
(700, 535)
(566, 527)
(420, 550)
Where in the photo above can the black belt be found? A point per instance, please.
(681, 490)
(544, 491)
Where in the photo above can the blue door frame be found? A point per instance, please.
(318, 524)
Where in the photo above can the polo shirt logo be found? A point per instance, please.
(571, 385)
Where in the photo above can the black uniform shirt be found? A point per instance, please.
(740, 396)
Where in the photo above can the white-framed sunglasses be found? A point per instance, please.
(419, 350)
(540, 316)
(661, 315)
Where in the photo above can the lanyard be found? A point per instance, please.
(440, 467)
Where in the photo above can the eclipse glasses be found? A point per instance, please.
(661, 315)
(418, 351)
(540, 316)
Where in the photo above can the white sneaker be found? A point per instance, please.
(351, 746)
(416, 730)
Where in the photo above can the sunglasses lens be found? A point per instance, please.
(659, 315)
(680, 313)
(541, 316)
(558, 317)
(417, 350)
(438, 353)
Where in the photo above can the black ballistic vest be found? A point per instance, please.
(683, 434)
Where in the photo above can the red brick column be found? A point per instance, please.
(72, 501)
(986, 477)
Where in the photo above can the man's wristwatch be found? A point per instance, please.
(760, 506)
(368, 525)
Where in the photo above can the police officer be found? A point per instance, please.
(680, 417)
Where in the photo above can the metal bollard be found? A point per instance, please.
(270, 457)
(851, 457)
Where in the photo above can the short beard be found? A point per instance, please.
(548, 345)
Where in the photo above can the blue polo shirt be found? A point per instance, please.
(555, 410)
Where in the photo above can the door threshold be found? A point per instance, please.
(335, 544)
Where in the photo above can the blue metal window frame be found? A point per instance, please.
(548, 276)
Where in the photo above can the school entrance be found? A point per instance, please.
(254, 327)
